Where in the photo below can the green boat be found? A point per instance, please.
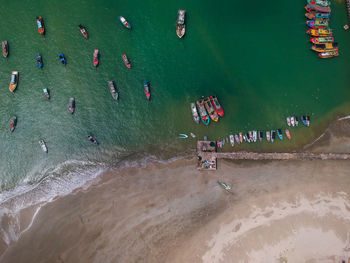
(319, 2)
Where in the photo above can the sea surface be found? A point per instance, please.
(254, 55)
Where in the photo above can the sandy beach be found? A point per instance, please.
(287, 211)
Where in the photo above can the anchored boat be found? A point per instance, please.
(40, 24)
(292, 121)
(180, 25)
(273, 135)
(210, 109)
(288, 134)
(232, 140)
(124, 22)
(92, 139)
(279, 133)
(237, 139)
(318, 23)
(328, 54)
(113, 90)
(307, 119)
(46, 93)
(194, 112)
(95, 57)
(241, 137)
(288, 120)
(83, 31)
(62, 58)
(71, 105)
(319, 2)
(126, 61)
(318, 8)
(268, 136)
(13, 123)
(217, 106)
(39, 61)
(13, 81)
(183, 136)
(147, 90)
(5, 48)
(325, 47)
(320, 32)
(202, 112)
(261, 136)
(254, 136)
(43, 146)
(322, 40)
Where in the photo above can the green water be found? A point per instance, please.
(254, 55)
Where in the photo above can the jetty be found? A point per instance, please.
(207, 155)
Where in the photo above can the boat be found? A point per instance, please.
(40, 24)
(194, 111)
(268, 137)
(261, 135)
(224, 185)
(113, 90)
(250, 133)
(237, 139)
(13, 81)
(280, 134)
(320, 32)
(13, 123)
(296, 121)
(95, 57)
(210, 109)
(217, 106)
(322, 40)
(328, 54)
(124, 22)
(273, 135)
(240, 137)
(193, 135)
(126, 61)
(202, 112)
(43, 146)
(292, 121)
(307, 119)
(288, 134)
(39, 61)
(318, 8)
(232, 140)
(83, 31)
(303, 119)
(180, 24)
(319, 2)
(5, 48)
(148, 93)
(71, 105)
(317, 23)
(46, 93)
(92, 140)
(325, 47)
(254, 136)
(62, 58)
(314, 15)
(288, 120)
(310, 15)
(244, 138)
(183, 136)
(248, 137)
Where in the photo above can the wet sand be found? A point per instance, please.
(286, 211)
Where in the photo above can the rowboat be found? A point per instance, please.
(273, 135)
(232, 140)
(202, 112)
(261, 136)
(43, 146)
(113, 90)
(92, 140)
(279, 133)
(322, 40)
(147, 90)
(210, 109)
(95, 57)
(292, 121)
(5, 48)
(124, 22)
(46, 93)
(193, 135)
(288, 134)
(40, 24)
(62, 58)
(325, 47)
(180, 24)
(71, 105)
(319, 2)
(13, 81)
(217, 105)
(194, 112)
(183, 136)
(39, 61)
(13, 123)
(241, 137)
(268, 138)
(83, 31)
(307, 119)
(126, 61)
(328, 54)
(320, 32)
(254, 136)
(288, 120)
(318, 8)
(237, 139)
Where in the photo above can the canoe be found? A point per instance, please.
(217, 105)
(40, 24)
(210, 109)
(92, 140)
(320, 32)
(5, 48)
(43, 146)
(13, 123)
(292, 121)
(318, 8)
(288, 134)
(321, 40)
(126, 61)
(194, 111)
(180, 24)
(183, 136)
(240, 137)
(148, 92)
(13, 81)
(95, 57)
(202, 112)
(46, 93)
(62, 58)
(39, 61)
(280, 134)
(124, 22)
(319, 2)
(328, 54)
(237, 139)
(288, 120)
(83, 31)
(307, 119)
(325, 47)
(268, 136)
(113, 90)
(71, 105)
(232, 140)
(273, 135)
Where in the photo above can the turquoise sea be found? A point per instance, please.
(255, 56)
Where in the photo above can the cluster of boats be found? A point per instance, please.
(206, 109)
(318, 14)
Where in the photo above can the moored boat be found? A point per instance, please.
(232, 140)
(92, 139)
(280, 134)
(183, 136)
(194, 111)
(328, 54)
(13, 81)
(268, 136)
(292, 121)
(314, 15)
(241, 137)
(13, 123)
(180, 25)
(43, 146)
(124, 22)
(46, 93)
(71, 105)
(250, 134)
(126, 61)
(261, 135)
(148, 92)
(40, 24)
(325, 47)
(318, 8)
(237, 139)
(319, 2)
(39, 61)
(296, 121)
(202, 112)
(320, 32)
(62, 58)
(322, 40)
(307, 119)
(288, 134)
(217, 106)
(254, 136)
(113, 90)
(273, 135)
(210, 109)
(317, 23)
(288, 120)
(5, 48)
(248, 137)
(83, 31)
(96, 57)
(303, 119)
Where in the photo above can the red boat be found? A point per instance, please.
(83, 31)
(317, 8)
(40, 24)
(217, 105)
(147, 91)
(96, 57)
(126, 61)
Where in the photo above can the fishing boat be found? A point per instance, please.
(95, 57)
(319, 2)
(124, 22)
(288, 134)
(280, 134)
(92, 140)
(237, 139)
(292, 121)
(210, 109)
(268, 136)
(43, 146)
(180, 24)
(250, 133)
(83, 31)
(303, 119)
(248, 137)
(62, 58)
(318, 8)
(273, 135)
(148, 92)
(244, 138)
(325, 47)
(240, 137)
(314, 15)
(71, 105)
(288, 120)
(202, 112)
(183, 136)
(40, 24)
(328, 54)
(217, 106)
(296, 121)
(322, 40)
(307, 119)
(232, 140)
(261, 135)
(13, 81)
(320, 32)
(254, 136)
(317, 23)
(13, 123)
(39, 61)
(194, 111)
(126, 61)
(46, 93)
(5, 48)
(113, 90)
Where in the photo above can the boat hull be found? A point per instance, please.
(13, 81)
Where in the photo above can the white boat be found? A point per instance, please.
(43, 146)
(288, 121)
(180, 25)
(292, 121)
(268, 136)
(183, 136)
(296, 121)
(254, 136)
(232, 140)
(194, 113)
(193, 135)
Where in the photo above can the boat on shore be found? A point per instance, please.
(194, 111)
(273, 135)
(255, 136)
(319, 2)
(325, 47)
(210, 109)
(303, 119)
(148, 92)
(318, 8)
(95, 57)
(217, 106)
(240, 137)
(292, 121)
(124, 22)
(328, 54)
(319, 32)
(322, 40)
(39, 61)
(43, 146)
(237, 139)
(288, 134)
(268, 136)
(288, 121)
(13, 81)
(126, 61)
(232, 140)
(113, 90)
(296, 121)
(62, 58)
(13, 123)
(307, 119)
(46, 93)
(261, 136)
(40, 24)
(71, 105)
(5, 48)
(92, 139)
(250, 134)
(180, 24)
(280, 134)
(83, 31)
(202, 112)
(247, 135)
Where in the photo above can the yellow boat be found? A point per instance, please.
(210, 109)
(13, 81)
(325, 47)
(320, 32)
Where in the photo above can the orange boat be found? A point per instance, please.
(40, 23)
(320, 32)
(288, 134)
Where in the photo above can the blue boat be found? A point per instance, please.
(303, 118)
(124, 22)
(62, 59)
(39, 62)
(322, 15)
(280, 134)
(202, 112)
